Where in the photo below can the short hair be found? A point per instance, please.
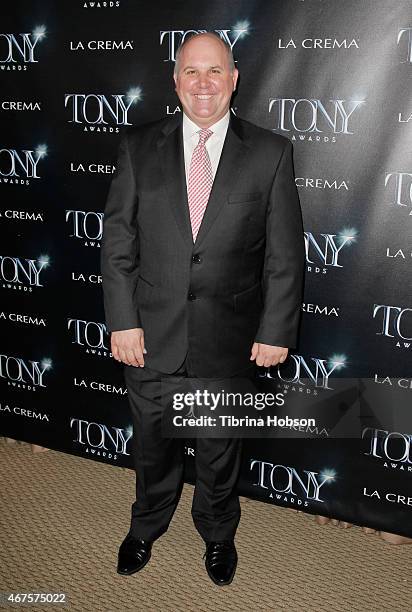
(212, 34)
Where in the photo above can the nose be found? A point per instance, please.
(203, 80)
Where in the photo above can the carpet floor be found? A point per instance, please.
(62, 519)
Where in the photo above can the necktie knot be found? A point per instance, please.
(204, 134)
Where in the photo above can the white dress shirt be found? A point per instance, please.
(214, 143)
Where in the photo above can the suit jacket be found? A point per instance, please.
(240, 282)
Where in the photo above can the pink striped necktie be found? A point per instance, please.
(200, 181)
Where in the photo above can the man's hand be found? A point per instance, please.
(128, 346)
(267, 355)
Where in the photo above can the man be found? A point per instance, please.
(202, 265)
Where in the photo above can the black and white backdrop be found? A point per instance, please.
(332, 76)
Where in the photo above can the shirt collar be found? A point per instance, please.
(219, 128)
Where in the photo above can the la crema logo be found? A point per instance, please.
(319, 43)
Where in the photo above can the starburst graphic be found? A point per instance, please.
(243, 26)
(328, 475)
(47, 364)
(44, 261)
(134, 94)
(41, 150)
(129, 431)
(337, 362)
(39, 32)
(348, 235)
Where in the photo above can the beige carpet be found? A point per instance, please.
(62, 519)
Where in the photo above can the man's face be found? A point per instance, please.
(204, 82)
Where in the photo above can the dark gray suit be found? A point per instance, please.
(202, 304)
(242, 279)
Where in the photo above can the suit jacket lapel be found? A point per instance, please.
(231, 161)
(171, 152)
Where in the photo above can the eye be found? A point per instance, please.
(215, 71)
(190, 72)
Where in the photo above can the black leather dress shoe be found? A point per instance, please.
(133, 555)
(221, 561)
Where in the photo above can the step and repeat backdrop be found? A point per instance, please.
(332, 76)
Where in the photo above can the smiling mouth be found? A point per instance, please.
(203, 96)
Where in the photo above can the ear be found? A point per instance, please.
(235, 75)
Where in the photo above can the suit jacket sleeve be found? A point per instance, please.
(284, 259)
(120, 249)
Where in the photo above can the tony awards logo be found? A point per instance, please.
(17, 51)
(399, 185)
(395, 322)
(392, 448)
(285, 483)
(101, 440)
(404, 41)
(101, 113)
(22, 373)
(173, 38)
(18, 167)
(22, 274)
(87, 226)
(91, 335)
(312, 119)
(299, 372)
(323, 251)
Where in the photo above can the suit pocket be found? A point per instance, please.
(244, 198)
(248, 300)
(145, 280)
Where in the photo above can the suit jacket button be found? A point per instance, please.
(191, 296)
(196, 258)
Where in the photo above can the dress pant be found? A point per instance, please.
(159, 466)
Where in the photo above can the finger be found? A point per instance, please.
(142, 346)
(283, 357)
(129, 357)
(115, 351)
(122, 356)
(255, 350)
(138, 356)
(260, 360)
